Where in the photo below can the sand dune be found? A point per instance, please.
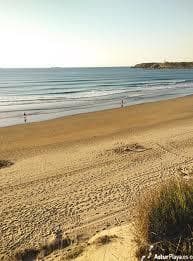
(111, 245)
(85, 172)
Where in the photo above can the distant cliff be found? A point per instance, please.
(165, 65)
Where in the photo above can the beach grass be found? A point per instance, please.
(165, 221)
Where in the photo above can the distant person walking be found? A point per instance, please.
(121, 103)
(25, 117)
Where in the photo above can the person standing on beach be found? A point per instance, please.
(25, 117)
(121, 103)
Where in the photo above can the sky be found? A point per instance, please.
(87, 33)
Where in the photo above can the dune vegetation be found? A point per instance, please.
(165, 221)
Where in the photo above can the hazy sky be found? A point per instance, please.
(43, 33)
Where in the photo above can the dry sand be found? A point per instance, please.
(115, 244)
(85, 172)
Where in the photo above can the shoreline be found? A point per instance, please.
(97, 111)
(86, 126)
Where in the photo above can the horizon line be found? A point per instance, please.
(66, 67)
(87, 67)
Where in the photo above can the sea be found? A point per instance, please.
(49, 93)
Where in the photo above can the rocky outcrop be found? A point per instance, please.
(165, 65)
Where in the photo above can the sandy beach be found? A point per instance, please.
(83, 173)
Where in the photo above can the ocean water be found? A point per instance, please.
(50, 93)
